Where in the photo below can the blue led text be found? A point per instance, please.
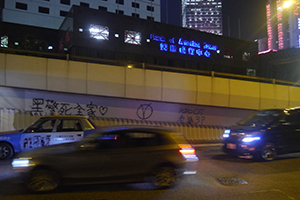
(185, 47)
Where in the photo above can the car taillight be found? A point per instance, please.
(188, 152)
(186, 149)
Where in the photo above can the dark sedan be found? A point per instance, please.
(265, 134)
(109, 155)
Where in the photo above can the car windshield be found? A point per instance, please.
(262, 118)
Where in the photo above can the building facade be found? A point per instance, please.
(203, 15)
(94, 33)
(51, 13)
(283, 24)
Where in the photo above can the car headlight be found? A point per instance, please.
(250, 139)
(22, 163)
(226, 133)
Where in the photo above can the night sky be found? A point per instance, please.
(252, 17)
(250, 13)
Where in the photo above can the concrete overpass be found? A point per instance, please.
(39, 86)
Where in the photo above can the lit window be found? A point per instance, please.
(132, 37)
(99, 32)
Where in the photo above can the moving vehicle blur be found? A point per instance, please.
(110, 155)
(264, 134)
(47, 130)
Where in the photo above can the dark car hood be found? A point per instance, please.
(240, 128)
(49, 150)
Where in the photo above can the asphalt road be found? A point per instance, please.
(219, 177)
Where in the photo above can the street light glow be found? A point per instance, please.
(287, 4)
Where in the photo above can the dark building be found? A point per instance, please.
(171, 12)
(99, 34)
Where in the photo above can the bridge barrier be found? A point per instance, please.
(14, 119)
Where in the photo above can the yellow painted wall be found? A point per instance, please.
(26, 71)
(2, 69)
(116, 81)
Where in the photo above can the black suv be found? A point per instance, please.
(264, 134)
(108, 155)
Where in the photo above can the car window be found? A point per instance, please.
(41, 126)
(262, 118)
(111, 140)
(141, 139)
(67, 125)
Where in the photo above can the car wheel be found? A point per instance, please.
(42, 181)
(268, 152)
(164, 177)
(6, 151)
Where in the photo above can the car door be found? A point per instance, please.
(291, 131)
(67, 130)
(102, 159)
(47, 132)
(38, 135)
(116, 156)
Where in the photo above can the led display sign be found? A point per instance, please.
(4, 41)
(183, 46)
(99, 32)
(133, 37)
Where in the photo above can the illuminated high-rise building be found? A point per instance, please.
(203, 15)
(283, 24)
(51, 13)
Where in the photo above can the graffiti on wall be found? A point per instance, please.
(191, 116)
(40, 106)
(145, 111)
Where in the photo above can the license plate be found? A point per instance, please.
(231, 146)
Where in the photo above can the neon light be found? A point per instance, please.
(269, 27)
(163, 47)
(182, 50)
(191, 51)
(279, 26)
(280, 36)
(188, 43)
(172, 40)
(157, 37)
(184, 47)
(210, 47)
(207, 54)
(199, 52)
(173, 48)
